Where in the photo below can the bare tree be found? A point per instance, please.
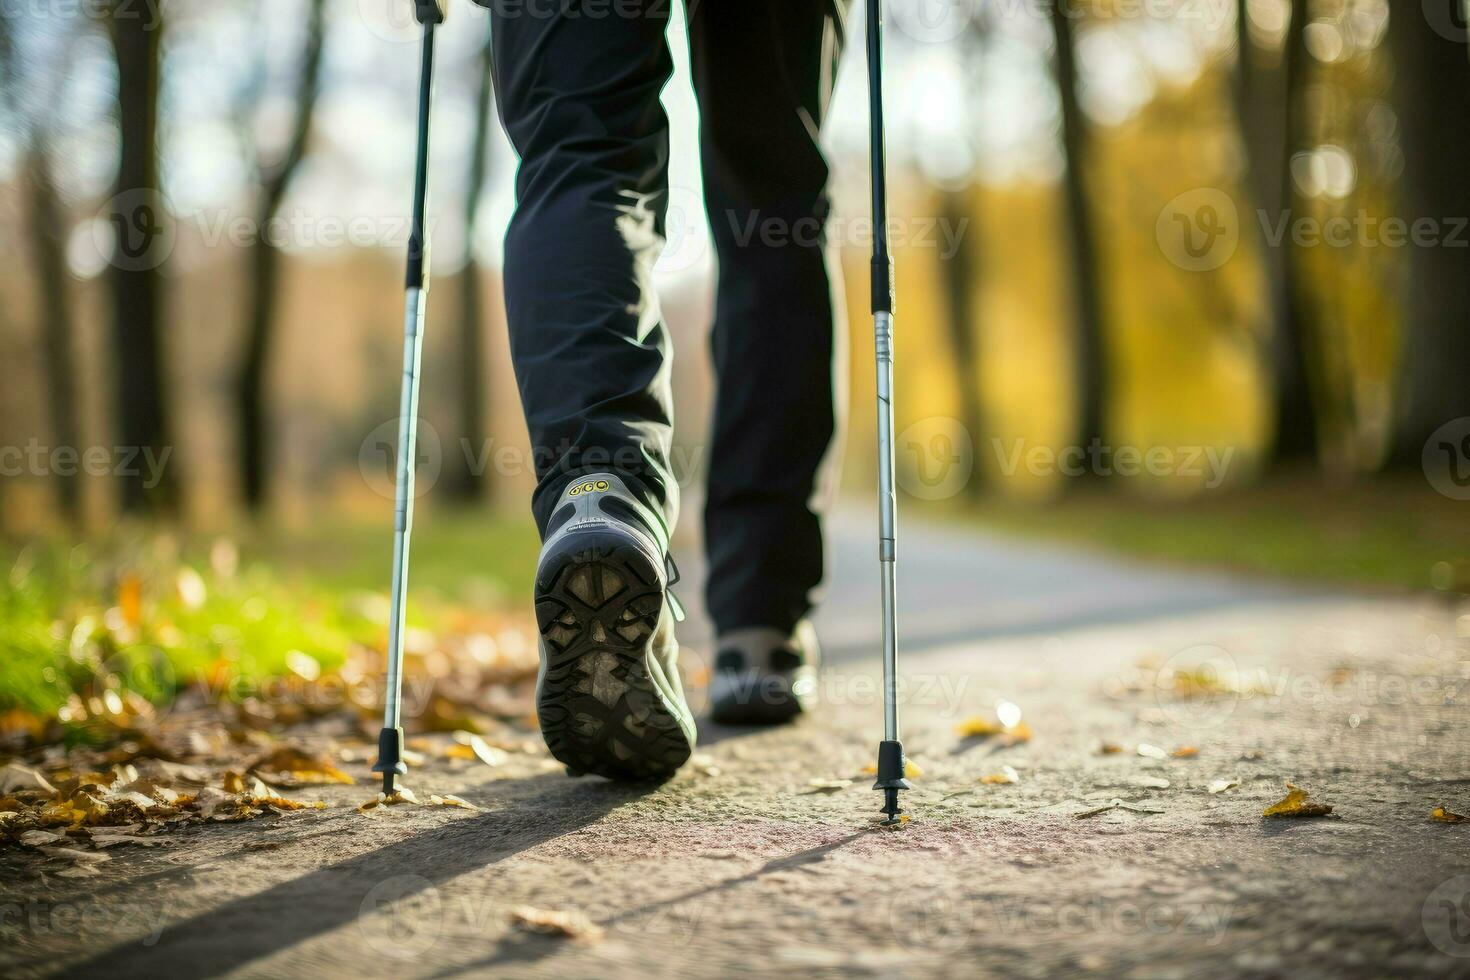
(262, 300)
(136, 30)
(46, 227)
(1272, 122)
(1432, 96)
(959, 274)
(1090, 342)
(463, 482)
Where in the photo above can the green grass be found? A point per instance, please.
(1391, 532)
(146, 612)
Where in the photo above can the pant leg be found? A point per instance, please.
(763, 72)
(578, 92)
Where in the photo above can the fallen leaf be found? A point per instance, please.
(552, 922)
(1006, 776)
(41, 838)
(978, 727)
(1109, 748)
(479, 749)
(1151, 751)
(1117, 804)
(1440, 815)
(233, 782)
(452, 801)
(75, 854)
(288, 766)
(400, 796)
(1222, 786)
(1295, 804)
(827, 785)
(1016, 735)
(17, 777)
(1151, 782)
(883, 823)
(1185, 752)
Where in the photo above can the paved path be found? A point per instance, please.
(740, 865)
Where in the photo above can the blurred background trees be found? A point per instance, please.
(1131, 225)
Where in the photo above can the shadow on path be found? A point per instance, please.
(238, 933)
(525, 948)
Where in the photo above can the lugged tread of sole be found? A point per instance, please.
(597, 608)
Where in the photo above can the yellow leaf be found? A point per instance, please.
(978, 727)
(292, 767)
(233, 782)
(552, 922)
(468, 745)
(1006, 776)
(1295, 804)
(452, 801)
(400, 796)
(1016, 735)
(1441, 815)
(911, 770)
(1109, 748)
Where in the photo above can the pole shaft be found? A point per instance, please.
(887, 522)
(408, 410)
(415, 305)
(882, 293)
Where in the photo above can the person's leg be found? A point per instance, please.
(578, 93)
(763, 72)
(579, 90)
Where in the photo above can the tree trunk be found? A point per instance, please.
(48, 228)
(142, 241)
(264, 276)
(958, 276)
(1432, 96)
(1269, 109)
(464, 483)
(1089, 348)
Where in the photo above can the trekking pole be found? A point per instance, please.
(890, 750)
(430, 13)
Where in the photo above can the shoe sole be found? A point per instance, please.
(602, 698)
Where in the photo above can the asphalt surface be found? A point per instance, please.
(743, 864)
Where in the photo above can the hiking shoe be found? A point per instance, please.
(764, 676)
(608, 693)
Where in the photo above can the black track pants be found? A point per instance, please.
(578, 84)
